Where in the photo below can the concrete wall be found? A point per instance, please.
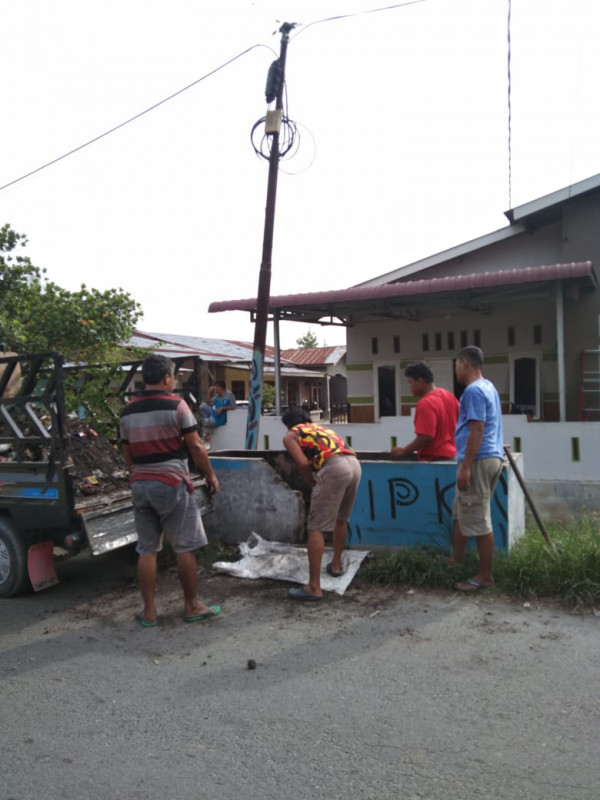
(493, 332)
(253, 497)
(399, 504)
(406, 503)
(561, 461)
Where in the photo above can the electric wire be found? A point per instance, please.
(289, 137)
(509, 110)
(354, 14)
(314, 151)
(132, 119)
(291, 134)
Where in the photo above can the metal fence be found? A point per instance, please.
(339, 412)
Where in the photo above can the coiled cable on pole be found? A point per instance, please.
(289, 139)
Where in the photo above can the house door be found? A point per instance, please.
(525, 383)
(386, 391)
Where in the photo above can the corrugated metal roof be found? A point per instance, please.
(286, 371)
(174, 345)
(315, 356)
(553, 199)
(456, 283)
(458, 251)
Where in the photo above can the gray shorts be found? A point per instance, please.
(472, 509)
(161, 508)
(333, 496)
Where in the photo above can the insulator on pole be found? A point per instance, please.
(273, 81)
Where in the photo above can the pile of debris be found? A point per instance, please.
(97, 465)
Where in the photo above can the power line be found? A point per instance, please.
(509, 109)
(131, 119)
(356, 14)
(189, 86)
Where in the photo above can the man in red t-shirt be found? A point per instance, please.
(436, 416)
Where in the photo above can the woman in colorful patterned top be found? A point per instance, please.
(328, 465)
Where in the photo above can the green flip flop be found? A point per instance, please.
(212, 612)
(144, 622)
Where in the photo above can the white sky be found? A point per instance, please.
(403, 152)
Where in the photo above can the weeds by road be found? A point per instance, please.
(530, 570)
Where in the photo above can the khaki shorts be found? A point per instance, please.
(333, 496)
(472, 509)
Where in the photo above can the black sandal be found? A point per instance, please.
(332, 573)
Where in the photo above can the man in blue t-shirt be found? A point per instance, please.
(479, 453)
(221, 401)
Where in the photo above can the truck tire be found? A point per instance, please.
(14, 577)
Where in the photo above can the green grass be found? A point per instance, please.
(217, 551)
(206, 556)
(529, 571)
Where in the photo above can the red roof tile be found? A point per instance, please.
(455, 283)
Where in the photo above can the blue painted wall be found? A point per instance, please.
(402, 504)
(399, 503)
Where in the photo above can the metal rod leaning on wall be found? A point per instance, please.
(529, 499)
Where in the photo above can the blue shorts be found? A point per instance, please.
(161, 508)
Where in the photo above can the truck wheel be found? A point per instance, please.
(14, 577)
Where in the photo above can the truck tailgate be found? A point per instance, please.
(108, 526)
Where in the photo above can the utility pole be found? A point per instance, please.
(276, 82)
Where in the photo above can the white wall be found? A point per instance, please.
(521, 315)
(547, 447)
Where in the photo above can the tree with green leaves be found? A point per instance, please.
(38, 315)
(308, 340)
(268, 397)
(87, 326)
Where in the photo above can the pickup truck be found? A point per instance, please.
(41, 508)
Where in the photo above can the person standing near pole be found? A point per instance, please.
(479, 452)
(158, 432)
(328, 465)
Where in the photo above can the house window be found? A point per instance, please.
(425, 342)
(537, 334)
(396, 344)
(450, 338)
(477, 338)
(438, 341)
(374, 346)
(464, 339)
(511, 339)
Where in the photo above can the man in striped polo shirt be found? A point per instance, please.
(158, 432)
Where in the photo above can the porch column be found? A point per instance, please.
(560, 352)
(277, 363)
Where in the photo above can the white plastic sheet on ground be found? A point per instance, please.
(261, 558)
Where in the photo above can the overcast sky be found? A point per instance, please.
(403, 120)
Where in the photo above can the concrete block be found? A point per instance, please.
(254, 497)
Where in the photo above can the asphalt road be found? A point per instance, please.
(378, 694)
